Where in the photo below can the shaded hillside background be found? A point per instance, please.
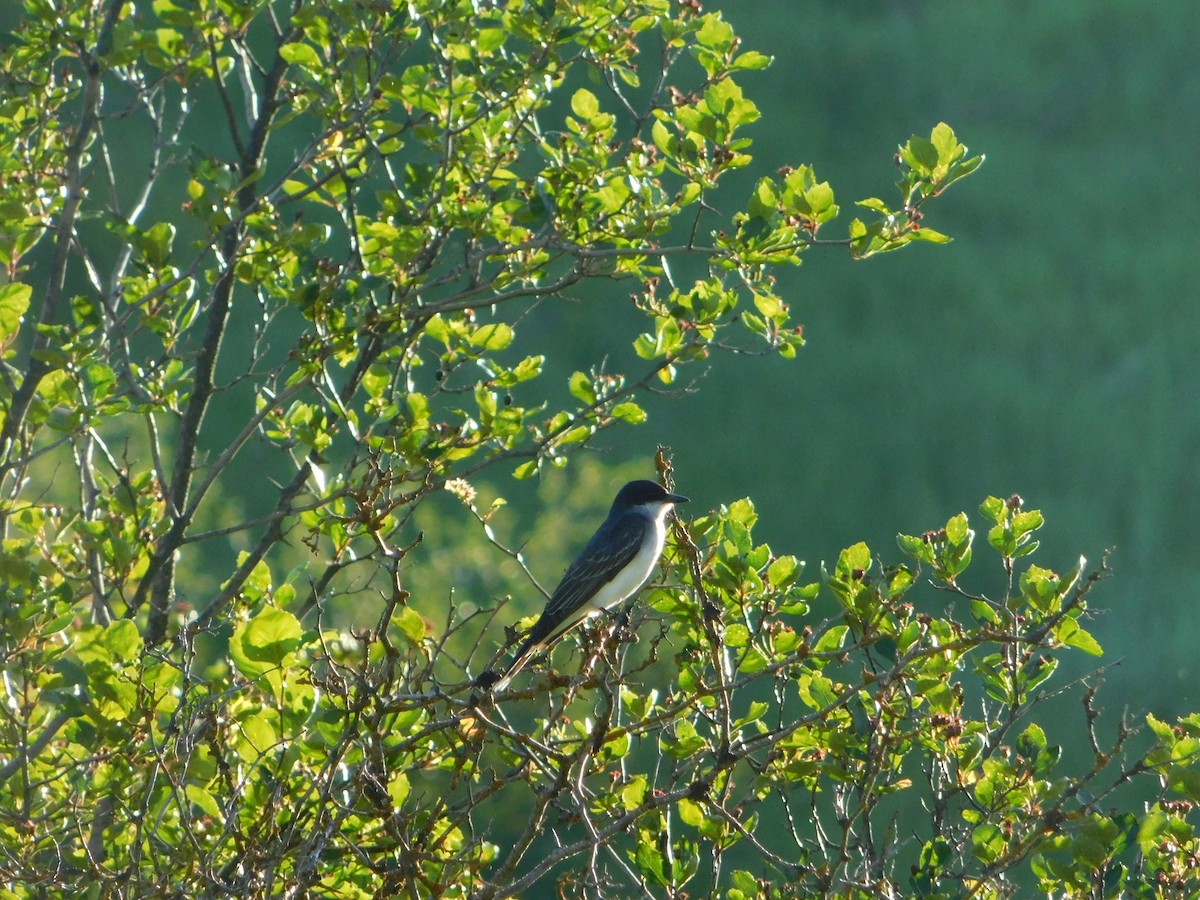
(1053, 349)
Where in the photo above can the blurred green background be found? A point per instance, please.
(1051, 350)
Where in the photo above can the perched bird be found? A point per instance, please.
(612, 567)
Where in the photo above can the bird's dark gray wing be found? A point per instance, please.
(611, 549)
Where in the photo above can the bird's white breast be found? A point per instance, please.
(634, 575)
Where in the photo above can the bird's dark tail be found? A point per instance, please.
(528, 650)
(544, 635)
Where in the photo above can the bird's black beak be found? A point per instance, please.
(676, 498)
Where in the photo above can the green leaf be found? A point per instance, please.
(205, 801)
(715, 33)
(650, 862)
(783, 571)
(1162, 730)
(743, 512)
(155, 243)
(875, 205)
(916, 547)
(263, 643)
(637, 706)
(930, 236)
(410, 623)
(258, 733)
(819, 197)
(493, 337)
(259, 579)
(994, 508)
(690, 193)
(690, 813)
(831, 640)
(1032, 741)
(745, 886)
(438, 329)
(752, 322)
(853, 561)
(737, 635)
(629, 412)
(1069, 632)
(418, 409)
(663, 139)
(757, 710)
(684, 742)
(1154, 827)
(584, 104)
(300, 54)
(123, 640)
(1026, 521)
(769, 305)
(988, 842)
(752, 59)
(118, 643)
(920, 154)
(485, 399)
(633, 793)
(815, 690)
(947, 145)
(580, 386)
(575, 435)
(957, 532)
(490, 40)
(528, 368)
(398, 788)
(935, 854)
(14, 301)
(376, 379)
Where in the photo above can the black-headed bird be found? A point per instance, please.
(611, 568)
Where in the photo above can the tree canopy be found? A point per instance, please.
(272, 316)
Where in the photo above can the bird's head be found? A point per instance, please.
(647, 495)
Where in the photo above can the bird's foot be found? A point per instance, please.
(486, 679)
